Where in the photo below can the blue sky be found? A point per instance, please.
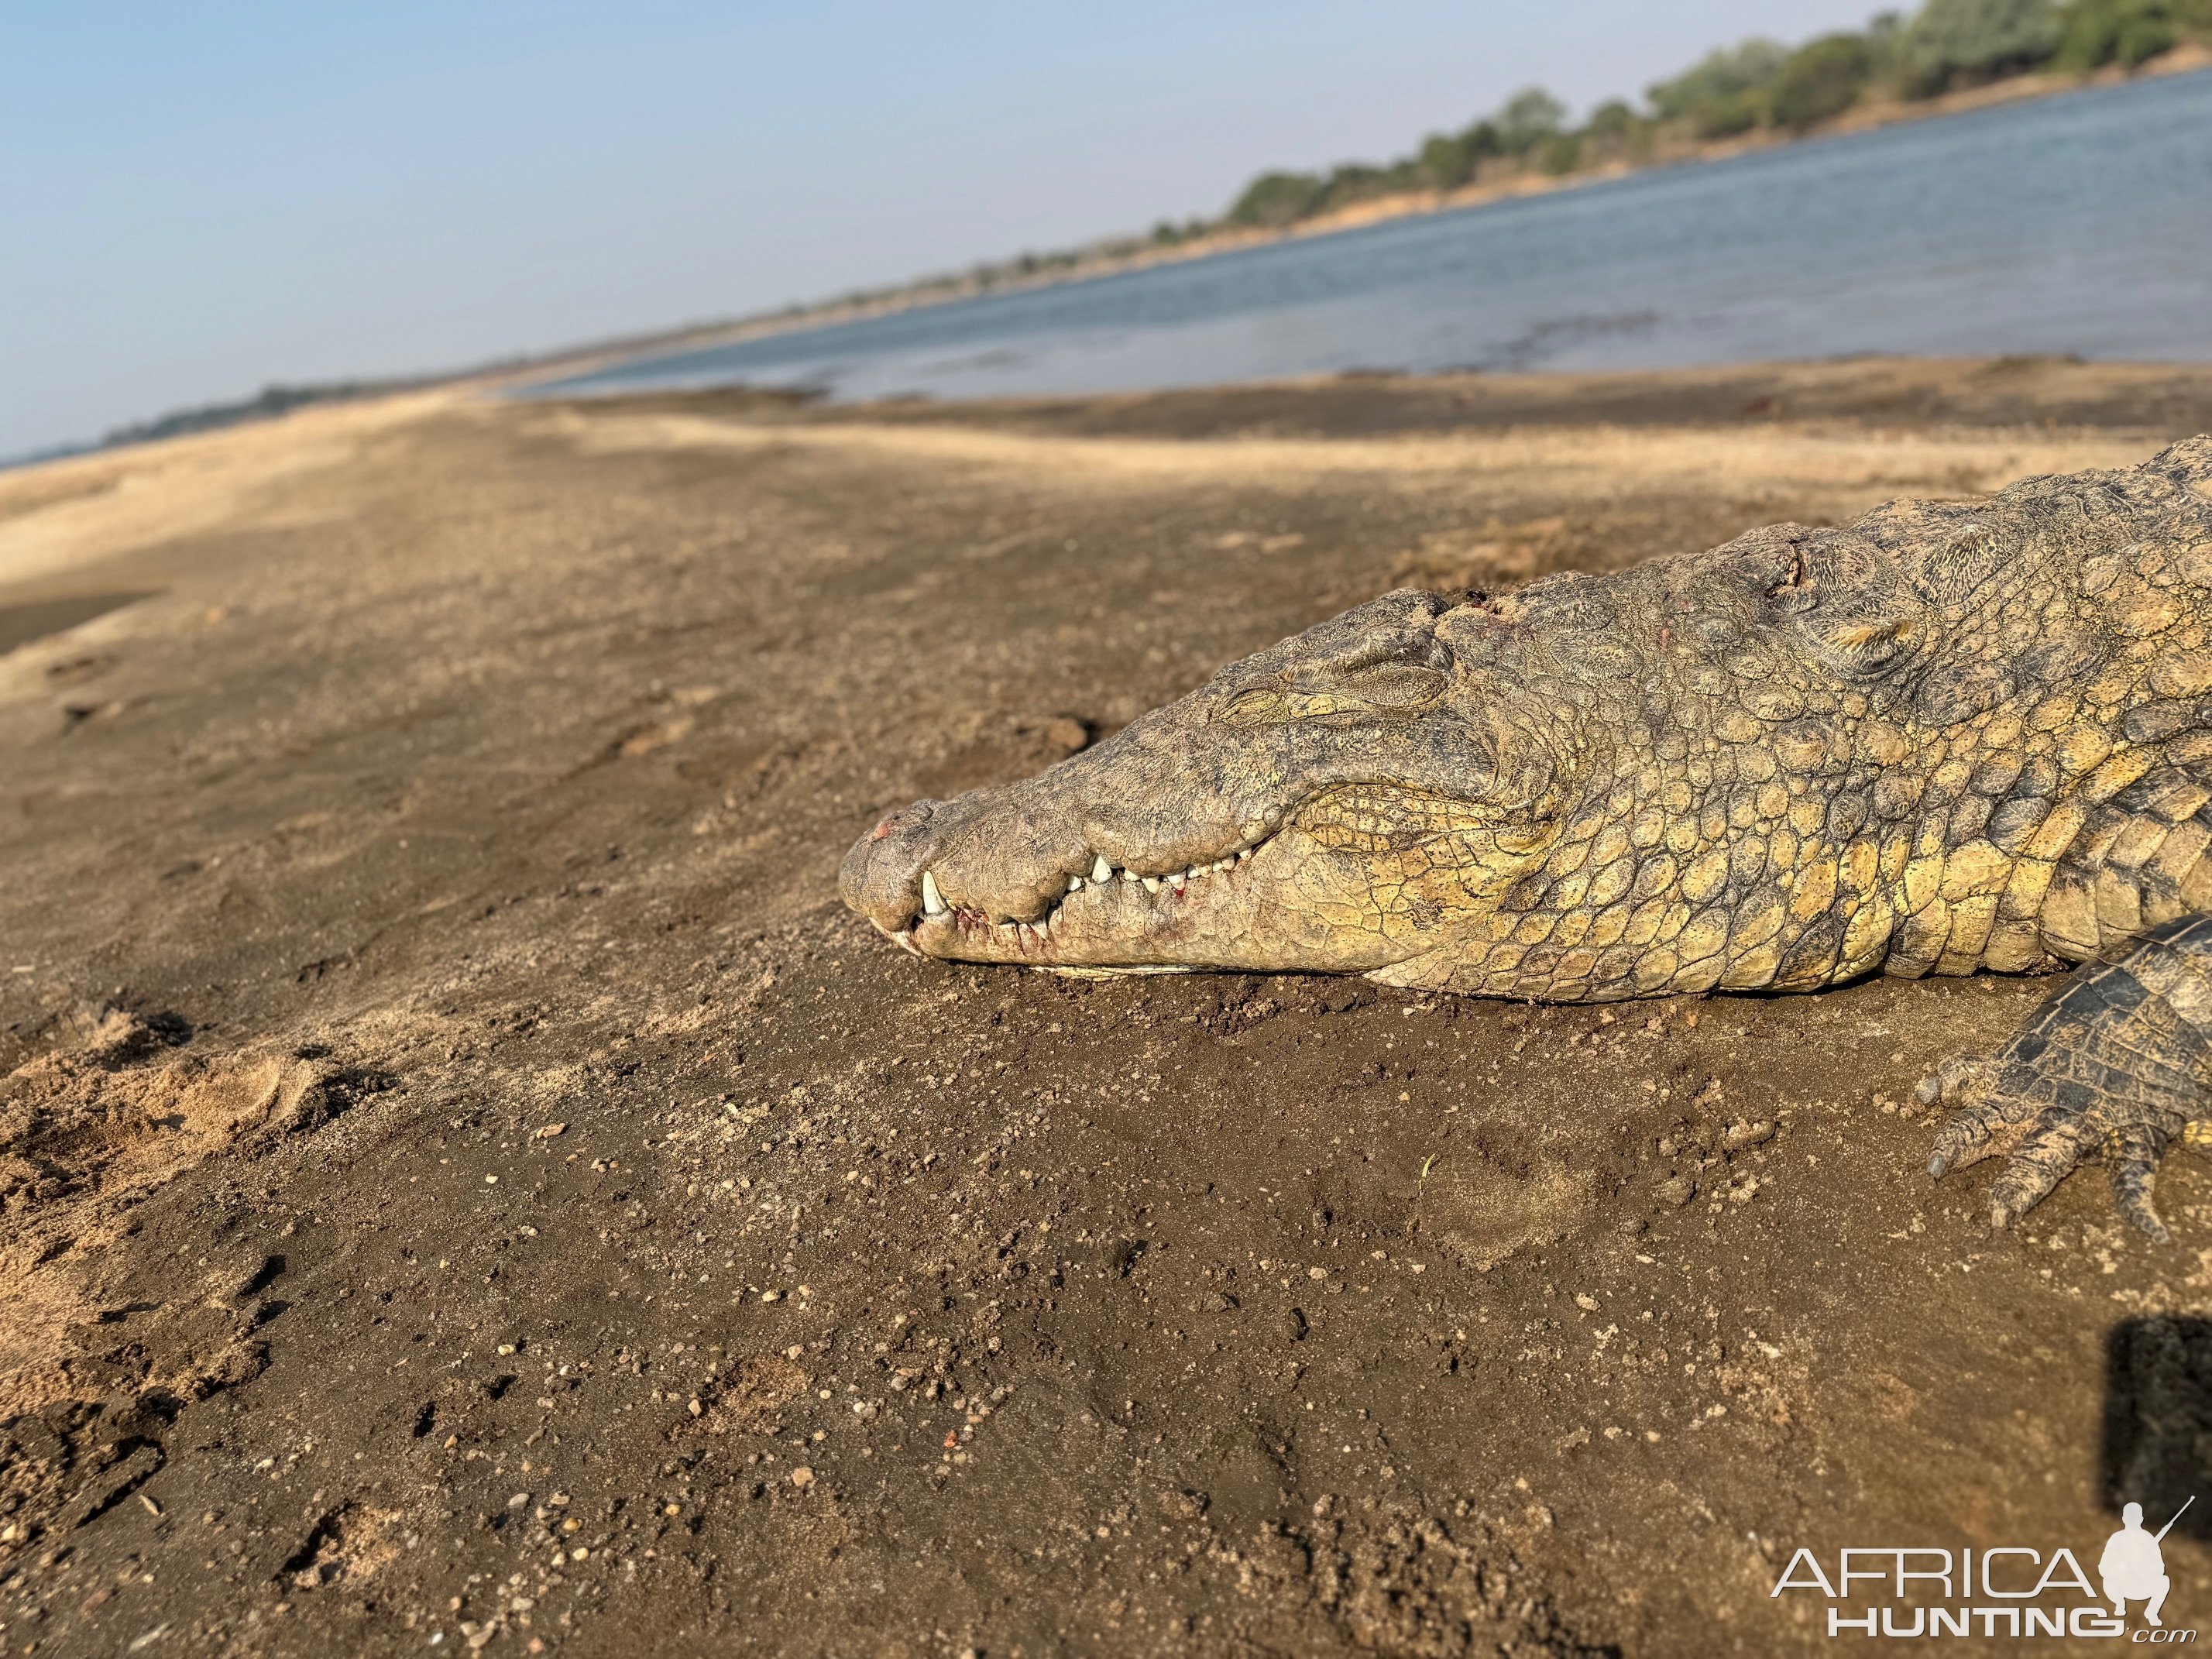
(199, 199)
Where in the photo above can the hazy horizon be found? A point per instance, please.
(244, 197)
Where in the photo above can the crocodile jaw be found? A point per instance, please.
(1259, 908)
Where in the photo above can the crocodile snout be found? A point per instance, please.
(994, 853)
(881, 874)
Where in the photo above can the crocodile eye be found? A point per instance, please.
(1398, 688)
(1253, 706)
(1384, 691)
(1871, 644)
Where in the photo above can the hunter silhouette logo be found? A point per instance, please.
(2133, 1567)
(2002, 1590)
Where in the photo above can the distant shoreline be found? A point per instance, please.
(2187, 58)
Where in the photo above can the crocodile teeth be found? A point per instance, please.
(1242, 856)
(1151, 883)
(1100, 869)
(933, 902)
(1075, 883)
(1178, 879)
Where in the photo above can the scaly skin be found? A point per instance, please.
(1941, 739)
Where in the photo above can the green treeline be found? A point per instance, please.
(1757, 85)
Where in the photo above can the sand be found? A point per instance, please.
(463, 1175)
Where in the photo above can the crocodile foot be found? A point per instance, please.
(2046, 1141)
(2108, 1068)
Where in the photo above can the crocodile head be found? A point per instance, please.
(1341, 802)
(1774, 765)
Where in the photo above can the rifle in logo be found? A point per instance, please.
(2177, 1513)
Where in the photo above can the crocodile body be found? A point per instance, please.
(1944, 738)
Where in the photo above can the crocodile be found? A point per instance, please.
(1948, 738)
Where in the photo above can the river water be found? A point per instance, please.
(2075, 223)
